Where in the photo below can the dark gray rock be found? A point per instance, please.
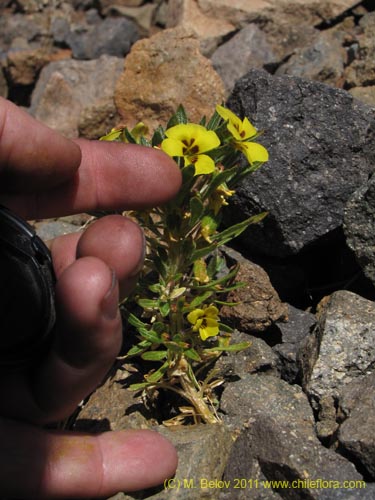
(320, 142)
(359, 491)
(298, 326)
(359, 227)
(356, 434)
(276, 429)
(343, 346)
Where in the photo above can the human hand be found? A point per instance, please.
(43, 174)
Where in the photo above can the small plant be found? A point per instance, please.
(175, 308)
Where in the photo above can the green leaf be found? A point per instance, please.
(158, 137)
(214, 121)
(154, 355)
(148, 303)
(138, 387)
(196, 210)
(197, 301)
(151, 336)
(199, 253)
(134, 321)
(164, 309)
(234, 231)
(192, 354)
(129, 136)
(178, 118)
(230, 348)
(136, 350)
(225, 328)
(158, 374)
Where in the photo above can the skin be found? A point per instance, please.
(43, 174)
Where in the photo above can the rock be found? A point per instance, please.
(249, 48)
(319, 139)
(259, 306)
(280, 437)
(361, 71)
(364, 94)
(293, 332)
(160, 73)
(322, 60)
(68, 92)
(356, 435)
(23, 66)
(359, 226)
(187, 15)
(142, 16)
(202, 452)
(48, 230)
(113, 406)
(105, 4)
(343, 346)
(259, 357)
(29, 6)
(111, 36)
(241, 12)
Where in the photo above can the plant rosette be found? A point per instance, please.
(175, 308)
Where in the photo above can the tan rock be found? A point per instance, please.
(162, 72)
(364, 94)
(240, 12)
(143, 15)
(259, 305)
(23, 66)
(209, 30)
(105, 4)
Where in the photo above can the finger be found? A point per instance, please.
(88, 338)
(67, 465)
(111, 176)
(32, 156)
(114, 239)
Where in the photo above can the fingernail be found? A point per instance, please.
(139, 267)
(109, 305)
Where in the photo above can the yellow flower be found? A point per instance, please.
(242, 132)
(119, 133)
(191, 141)
(205, 321)
(219, 197)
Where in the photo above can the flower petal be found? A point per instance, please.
(211, 312)
(193, 316)
(248, 128)
(253, 151)
(211, 329)
(204, 165)
(172, 147)
(194, 134)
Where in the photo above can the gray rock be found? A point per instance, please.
(277, 430)
(323, 59)
(359, 491)
(356, 434)
(359, 227)
(3, 85)
(247, 49)
(343, 346)
(319, 140)
(259, 357)
(69, 92)
(202, 452)
(298, 326)
(361, 71)
(112, 36)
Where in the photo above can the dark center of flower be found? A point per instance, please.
(241, 132)
(189, 148)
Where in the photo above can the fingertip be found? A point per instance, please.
(136, 459)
